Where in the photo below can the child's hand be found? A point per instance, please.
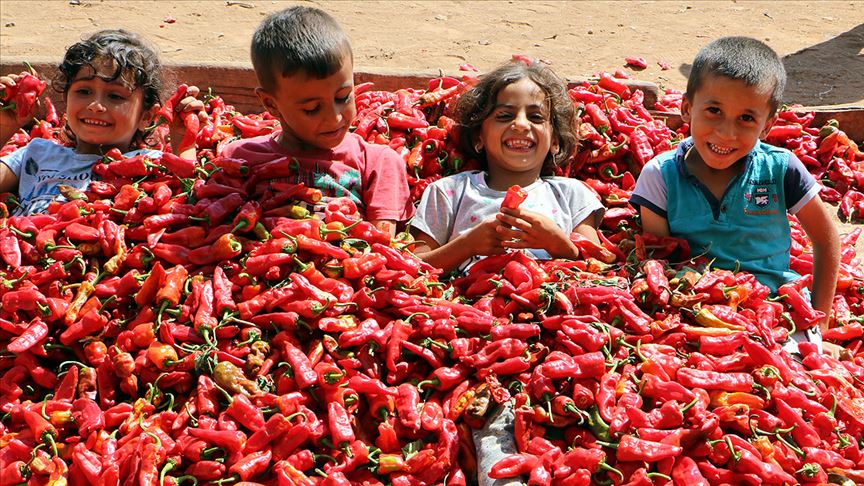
(187, 120)
(521, 229)
(832, 350)
(12, 119)
(190, 103)
(485, 238)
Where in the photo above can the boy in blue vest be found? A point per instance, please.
(726, 191)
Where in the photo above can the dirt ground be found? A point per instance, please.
(821, 42)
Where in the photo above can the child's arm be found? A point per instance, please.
(483, 240)
(653, 223)
(650, 196)
(816, 221)
(386, 225)
(8, 179)
(521, 228)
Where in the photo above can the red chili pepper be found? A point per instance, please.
(608, 82)
(171, 288)
(712, 380)
(35, 332)
(430, 98)
(514, 197)
(631, 448)
(599, 120)
(192, 124)
(514, 465)
(230, 440)
(407, 403)
(23, 96)
(166, 112)
(637, 62)
(341, 430)
(224, 248)
(401, 121)
(10, 252)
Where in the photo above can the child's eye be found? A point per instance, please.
(713, 110)
(503, 116)
(748, 118)
(345, 99)
(538, 117)
(82, 91)
(312, 111)
(117, 96)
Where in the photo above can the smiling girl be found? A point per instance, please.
(518, 121)
(111, 83)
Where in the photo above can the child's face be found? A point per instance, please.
(313, 112)
(103, 115)
(726, 119)
(517, 135)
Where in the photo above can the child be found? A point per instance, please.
(725, 191)
(304, 65)
(519, 122)
(111, 84)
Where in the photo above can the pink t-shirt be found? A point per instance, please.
(373, 176)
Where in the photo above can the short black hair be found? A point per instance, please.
(298, 38)
(740, 58)
(134, 60)
(478, 103)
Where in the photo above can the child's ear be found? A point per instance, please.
(147, 118)
(555, 147)
(478, 144)
(768, 124)
(268, 102)
(685, 109)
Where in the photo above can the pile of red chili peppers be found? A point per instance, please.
(188, 322)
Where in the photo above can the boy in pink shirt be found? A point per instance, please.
(304, 64)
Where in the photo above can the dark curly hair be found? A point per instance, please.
(478, 103)
(135, 62)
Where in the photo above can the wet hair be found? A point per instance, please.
(298, 39)
(134, 61)
(478, 103)
(743, 59)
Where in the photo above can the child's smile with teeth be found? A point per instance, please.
(519, 143)
(99, 123)
(730, 111)
(721, 150)
(120, 110)
(517, 135)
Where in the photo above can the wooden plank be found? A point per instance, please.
(851, 119)
(235, 83)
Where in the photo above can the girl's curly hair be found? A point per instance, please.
(475, 105)
(135, 62)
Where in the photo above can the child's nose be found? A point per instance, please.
(336, 111)
(521, 122)
(726, 129)
(96, 105)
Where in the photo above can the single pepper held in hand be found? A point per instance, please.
(514, 197)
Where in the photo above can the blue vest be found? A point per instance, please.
(748, 227)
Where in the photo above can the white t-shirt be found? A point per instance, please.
(42, 166)
(456, 204)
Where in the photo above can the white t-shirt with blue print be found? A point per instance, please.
(42, 166)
